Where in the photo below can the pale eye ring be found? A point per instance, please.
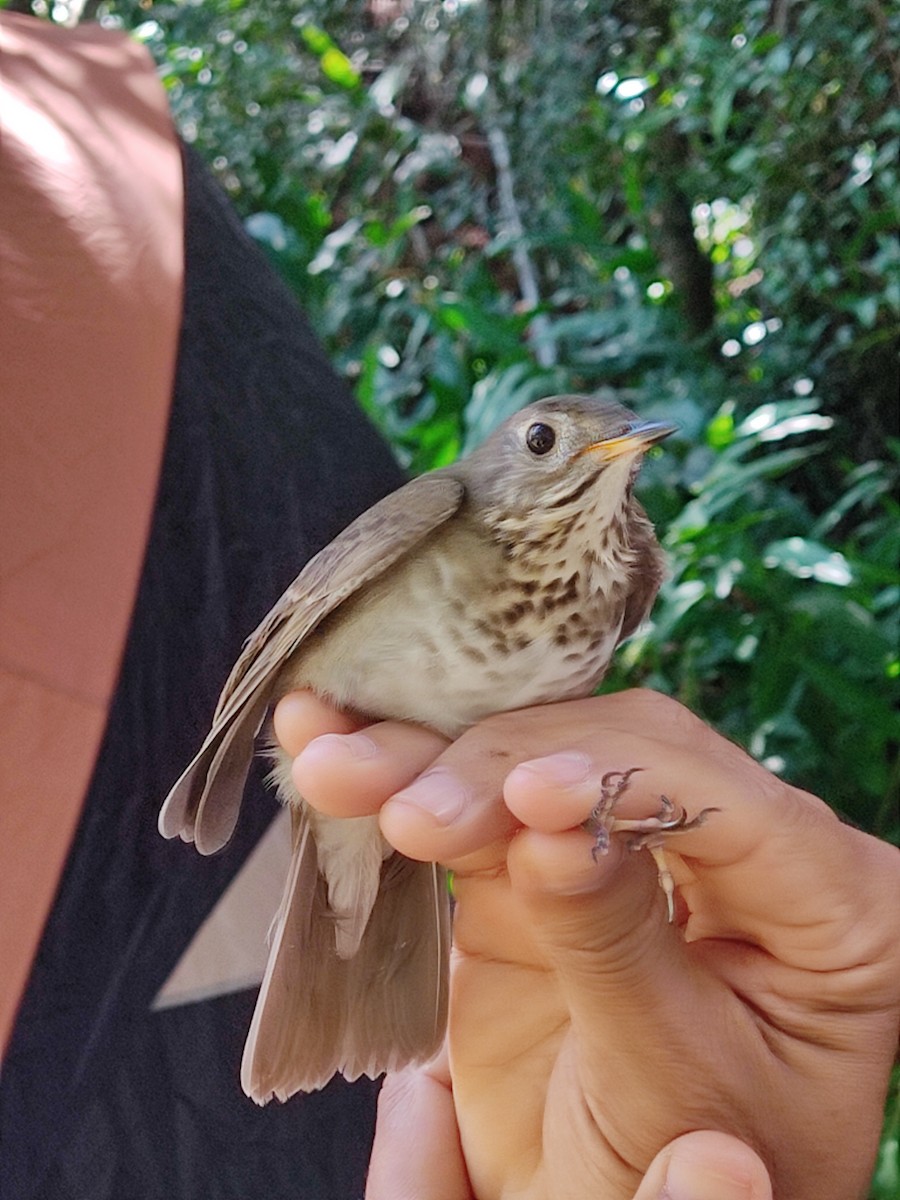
(540, 438)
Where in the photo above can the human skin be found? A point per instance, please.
(417, 1153)
(586, 1032)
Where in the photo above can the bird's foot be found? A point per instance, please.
(650, 833)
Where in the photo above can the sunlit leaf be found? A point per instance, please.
(803, 423)
(807, 559)
(720, 430)
(335, 65)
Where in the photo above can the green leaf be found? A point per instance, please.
(743, 160)
(721, 111)
(765, 42)
(720, 430)
(886, 1182)
(316, 39)
(806, 559)
(857, 701)
(339, 69)
(335, 65)
(779, 419)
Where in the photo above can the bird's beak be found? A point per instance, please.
(638, 438)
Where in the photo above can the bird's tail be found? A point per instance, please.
(383, 1007)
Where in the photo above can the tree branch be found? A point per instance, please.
(544, 347)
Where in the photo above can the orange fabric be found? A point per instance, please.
(91, 241)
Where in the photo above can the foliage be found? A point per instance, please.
(886, 1182)
(481, 205)
(786, 644)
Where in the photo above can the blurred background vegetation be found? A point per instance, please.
(479, 203)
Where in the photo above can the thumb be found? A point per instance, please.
(706, 1166)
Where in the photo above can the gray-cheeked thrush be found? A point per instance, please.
(505, 580)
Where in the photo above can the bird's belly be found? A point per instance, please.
(450, 673)
(450, 695)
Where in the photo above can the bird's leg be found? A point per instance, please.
(650, 832)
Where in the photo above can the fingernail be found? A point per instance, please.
(686, 1180)
(437, 792)
(565, 769)
(342, 745)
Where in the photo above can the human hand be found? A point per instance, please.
(586, 1033)
(417, 1153)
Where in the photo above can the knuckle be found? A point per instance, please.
(658, 708)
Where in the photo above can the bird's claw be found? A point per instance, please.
(600, 821)
(650, 832)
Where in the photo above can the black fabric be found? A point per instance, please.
(266, 459)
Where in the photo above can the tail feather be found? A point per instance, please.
(397, 990)
(300, 932)
(319, 1014)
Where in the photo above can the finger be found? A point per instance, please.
(706, 1166)
(600, 921)
(416, 1154)
(301, 716)
(353, 774)
(601, 924)
(772, 866)
(455, 808)
(559, 792)
(620, 970)
(346, 768)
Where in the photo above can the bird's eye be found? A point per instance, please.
(540, 438)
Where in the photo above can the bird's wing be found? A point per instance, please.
(647, 573)
(203, 805)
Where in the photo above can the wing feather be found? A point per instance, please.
(647, 574)
(203, 804)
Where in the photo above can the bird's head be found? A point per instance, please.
(558, 456)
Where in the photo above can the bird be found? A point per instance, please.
(504, 580)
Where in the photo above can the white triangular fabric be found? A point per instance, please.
(228, 953)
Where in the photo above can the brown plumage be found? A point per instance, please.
(505, 580)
